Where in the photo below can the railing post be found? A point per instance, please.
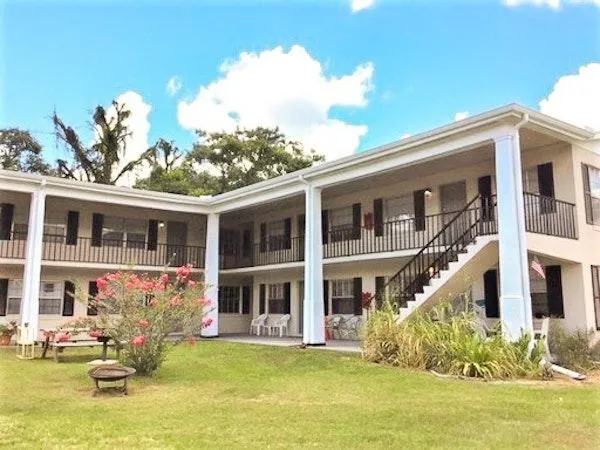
(211, 273)
(515, 297)
(30, 298)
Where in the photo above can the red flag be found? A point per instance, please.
(538, 268)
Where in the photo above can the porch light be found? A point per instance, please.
(161, 224)
(428, 193)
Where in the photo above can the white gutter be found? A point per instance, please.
(523, 121)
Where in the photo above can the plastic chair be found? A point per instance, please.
(280, 324)
(258, 323)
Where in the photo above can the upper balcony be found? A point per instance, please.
(543, 215)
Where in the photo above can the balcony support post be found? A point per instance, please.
(30, 296)
(211, 273)
(515, 296)
(313, 332)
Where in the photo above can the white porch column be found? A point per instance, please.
(313, 324)
(30, 296)
(515, 296)
(211, 273)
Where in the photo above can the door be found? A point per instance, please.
(453, 198)
(176, 242)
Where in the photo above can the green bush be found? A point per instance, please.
(447, 343)
(572, 349)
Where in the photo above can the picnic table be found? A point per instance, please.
(79, 338)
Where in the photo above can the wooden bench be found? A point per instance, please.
(80, 338)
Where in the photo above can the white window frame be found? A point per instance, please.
(275, 293)
(342, 290)
(15, 297)
(125, 232)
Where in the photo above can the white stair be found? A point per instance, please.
(476, 259)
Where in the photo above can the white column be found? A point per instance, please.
(515, 296)
(211, 273)
(314, 314)
(30, 297)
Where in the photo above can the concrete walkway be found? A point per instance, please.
(337, 345)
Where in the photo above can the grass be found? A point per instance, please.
(226, 395)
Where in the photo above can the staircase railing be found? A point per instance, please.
(477, 218)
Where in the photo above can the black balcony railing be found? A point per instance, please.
(547, 215)
(271, 251)
(111, 251)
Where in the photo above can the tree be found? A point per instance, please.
(172, 172)
(20, 151)
(246, 157)
(99, 162)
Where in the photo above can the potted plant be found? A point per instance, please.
(6, 332)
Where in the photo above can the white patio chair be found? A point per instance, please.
(258, 323)
(280, 324)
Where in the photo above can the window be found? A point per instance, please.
(342, 296)
(530, 180)
(276, 233)
(53, 232)
(591, 191)
(399, 208)
(539, 298)
(596, 293)
(340, 224)
(119, 232)
(229, 299)
(13, 305)
(51, 295)
(276, 298)
(229, 241)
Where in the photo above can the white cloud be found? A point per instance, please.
(138, 127)
(173, 85)
(575, 98)
(554, 4)
(285, 89)
(462, 115)
(359, 5)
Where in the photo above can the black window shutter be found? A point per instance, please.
(490, 287)
(263, 237)
(546, 186)
(326, 297)
(302, 225)
(3, 295)
(358, 307)
(325, 226)
(287, 301)
(554, 290)
(356, 221)
(245, 299)
(6, 217)
(379, 291)
(92, 292)
(246, 243)
(72, 227)
(262, 299)
(287, 231)
(97, 224)
(152, 235)
(378, 216)
(69, 299)
(419, 205)
(484, 187)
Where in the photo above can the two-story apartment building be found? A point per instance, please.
(465, 207)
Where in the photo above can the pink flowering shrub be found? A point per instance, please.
(142, 313)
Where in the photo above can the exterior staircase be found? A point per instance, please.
(462, 250)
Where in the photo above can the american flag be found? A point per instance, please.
(538, 268)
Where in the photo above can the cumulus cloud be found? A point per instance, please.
(359, 5)
(575, 98)
(462, 115)
(138, 126)
(554, 4)
(173, 85)
(285, 89)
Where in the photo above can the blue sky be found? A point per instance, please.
(411, 65)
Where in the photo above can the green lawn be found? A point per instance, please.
(222, 395)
